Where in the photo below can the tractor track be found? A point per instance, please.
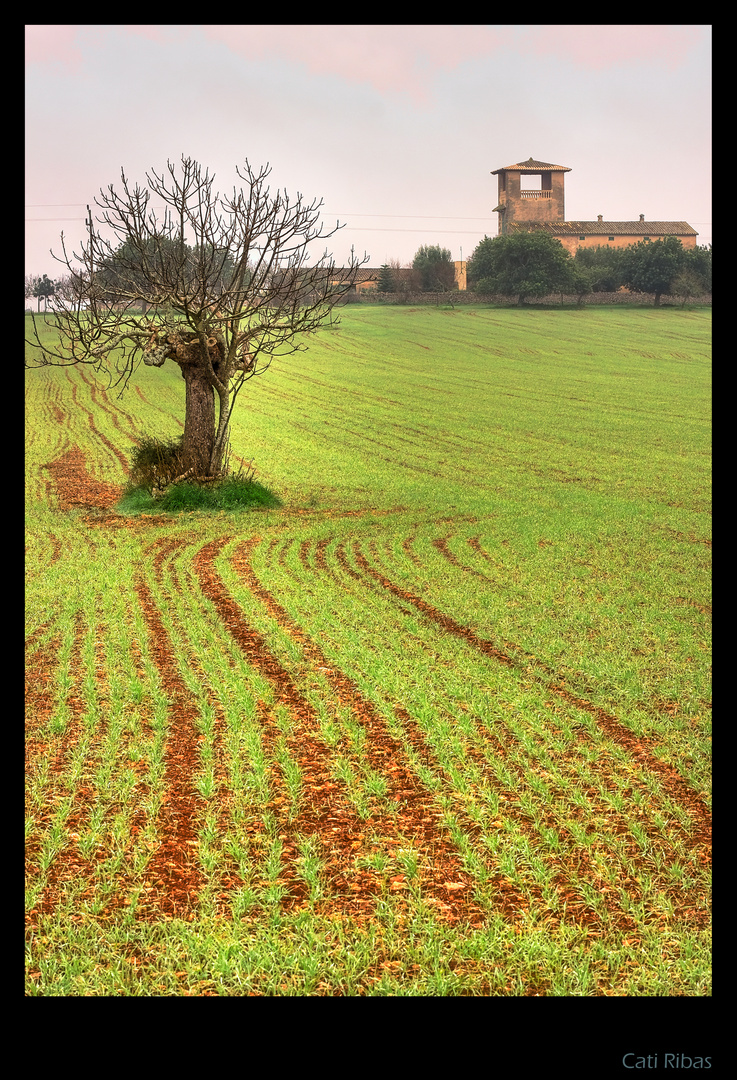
(220, 802)
(505, 896)
(67, 864)
(94, 428)
(173, 877)
(324, 812)
(670, 778)
(697, 840)
(568, 862)
(100, 399)
(415, 814)
(41, 668)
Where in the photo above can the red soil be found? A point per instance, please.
(76, 487)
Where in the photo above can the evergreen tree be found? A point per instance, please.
(523, 264)
(43, 288)
(436, 269)
(386, 279)
(603, 266)
(653, 265)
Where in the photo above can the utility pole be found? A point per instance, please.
(88, 223)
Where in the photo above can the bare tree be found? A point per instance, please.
(226, 283)
(406, 279)
(40, 287)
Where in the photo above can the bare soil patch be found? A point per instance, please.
(76, 487)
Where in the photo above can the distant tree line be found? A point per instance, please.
(527, 265)
(124, 277)
(41, 288)
(521, 266)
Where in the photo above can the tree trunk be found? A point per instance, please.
(222, 434)
(199, 423)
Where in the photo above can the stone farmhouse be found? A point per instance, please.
(540, 205)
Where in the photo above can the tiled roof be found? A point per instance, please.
(531, 165)
(366, 273)
(606, 228)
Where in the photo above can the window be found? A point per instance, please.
(582, 238)
(610, 238)
(530, 182)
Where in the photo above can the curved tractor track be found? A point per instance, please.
(173, 878)
(614, 728)
(266, 745)
(366, 573)
(325, 813)
(346, 842)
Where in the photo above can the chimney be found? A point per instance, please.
(599, 218)
(642, 217)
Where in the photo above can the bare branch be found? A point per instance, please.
(219, 284)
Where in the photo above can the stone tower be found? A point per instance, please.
(537, 203)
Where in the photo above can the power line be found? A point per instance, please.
(360, 228)
(355, 228)
(456, 232)
(436, 217)
(402, 217)
(414, 217)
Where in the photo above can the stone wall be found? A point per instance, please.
(371, 296)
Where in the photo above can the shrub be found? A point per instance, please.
(231, 493)
(155, 466)
(155, 463)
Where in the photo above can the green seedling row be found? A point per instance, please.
(437, 725)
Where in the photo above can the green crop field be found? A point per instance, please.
(438, 725)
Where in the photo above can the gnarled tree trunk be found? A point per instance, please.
(204, 442)
(199, 424)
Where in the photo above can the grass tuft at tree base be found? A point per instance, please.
(232, 493)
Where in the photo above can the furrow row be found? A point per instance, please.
(673, 782)
(219, 802)
(698, 838)
(505, 895)
(94, 428)
(173, 878)
(115, 412)
(415, 814)
(324, 813)
(556, 831)
(48, 852)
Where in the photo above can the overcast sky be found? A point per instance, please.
(396, 128)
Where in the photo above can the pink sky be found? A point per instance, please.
(397, 127)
